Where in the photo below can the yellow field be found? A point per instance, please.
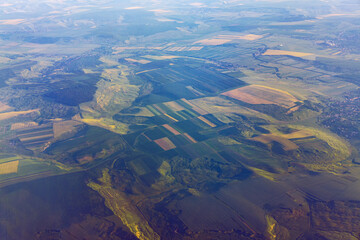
(35, 138)
(8, 115)
(213, 41)
(271, 52)
(174, 106)
(333, 140)
(106, 123)
(9, 167)
(190, 138)
(298, 134)
(263, 173)
(250, 37)
(293, 109)
(269, 138)
(206, 121)
(8, 159)
(165, 170)
(11, 21)
(339, 151)
(4, 107)
(174, 119)
(165, 143)
(222, 39)
(258, 94)
(195, 107)
(165, 57)
(142, 61)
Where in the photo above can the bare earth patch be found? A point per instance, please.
(171, 129)
(85, 159)
(165, 143)
(257, 94)
(22, 125)
(63, 127)
(142, 61)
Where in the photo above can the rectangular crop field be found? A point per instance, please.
(7, 115)
(213, 41)
(206, 121)
(171, 129)
(165, 143)
(271, 52)
(257, 94)
(9, 167)
(174, 106)
(64, 127)
(36, 136)
(22, 125)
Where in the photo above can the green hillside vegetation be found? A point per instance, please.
(179, 120)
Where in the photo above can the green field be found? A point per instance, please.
(180, 120)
